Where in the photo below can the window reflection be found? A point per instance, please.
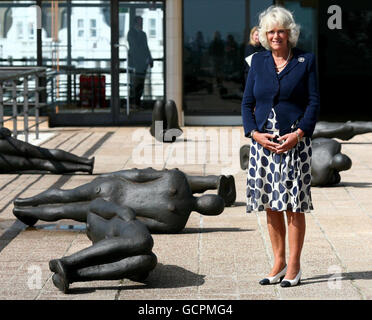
(17, 33)
(214, 56)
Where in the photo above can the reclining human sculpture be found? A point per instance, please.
(161, 199)
(327, 161)
(121, 249)
(17, 155)
(341, 130)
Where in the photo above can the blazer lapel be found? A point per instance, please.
(292, 63)
(270, 64)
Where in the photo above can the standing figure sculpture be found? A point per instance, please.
(16, 155)
(164, 126)
(121, 249)
(161, 199)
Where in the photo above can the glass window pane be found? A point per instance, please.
(214, 52)
(80, 23)
(141, 38)
(91, 54)
(18, 21)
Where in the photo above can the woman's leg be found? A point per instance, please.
(296, 235)
(277, 231)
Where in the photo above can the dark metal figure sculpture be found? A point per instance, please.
(341, 130)
(17, 155)
(327, 161)
(164, 126)
(244, 156)
(121, 249)
(161, 199)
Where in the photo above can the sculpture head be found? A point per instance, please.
(209, 205)
(5, 132)
(341, 162)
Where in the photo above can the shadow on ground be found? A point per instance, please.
(162, 277)
(207, 230)
(355, 184)
(361, 275)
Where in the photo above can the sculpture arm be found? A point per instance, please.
(137, 175)
(109, 210)
(156, 226)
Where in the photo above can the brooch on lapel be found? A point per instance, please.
(301, 59)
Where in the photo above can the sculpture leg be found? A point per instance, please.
(61, 155)
(11, 163)
(59, 166)
(224, 184)
(200, 184)
(85, 192)
(106, 251)
(109, 259)
(29, 215)
(135, 268)
(23, 149)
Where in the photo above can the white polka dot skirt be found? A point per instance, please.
(281, 182)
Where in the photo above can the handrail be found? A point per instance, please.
(22, 76)
(21, 72)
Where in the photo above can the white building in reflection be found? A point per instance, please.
(90, 41)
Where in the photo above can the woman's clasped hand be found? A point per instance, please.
(283, 144)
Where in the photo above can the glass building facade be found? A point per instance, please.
(214, 50)
(88, 44)
(115, 58)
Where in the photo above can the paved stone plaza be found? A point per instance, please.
(216, 257)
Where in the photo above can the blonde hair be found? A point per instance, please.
(276, 16)
(251, 41)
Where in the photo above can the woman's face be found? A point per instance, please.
(255, 37)
(277, 38)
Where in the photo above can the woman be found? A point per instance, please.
(280, 107)
(252, 47)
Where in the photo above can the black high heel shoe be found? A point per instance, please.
(274, 279)
(291, 283)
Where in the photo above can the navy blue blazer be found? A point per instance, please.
(293, 93)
